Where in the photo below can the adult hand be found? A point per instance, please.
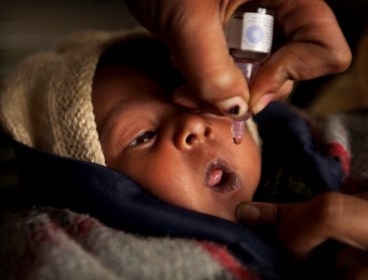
(303, 226)
(193, 30)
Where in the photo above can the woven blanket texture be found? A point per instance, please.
(46, 243)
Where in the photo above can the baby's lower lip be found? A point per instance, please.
(221, 178)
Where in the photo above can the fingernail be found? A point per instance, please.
(263, 102)
(233, 107)
(246, 212)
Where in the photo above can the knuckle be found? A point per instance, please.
(285, 90)
(340, 60)
(272, 215)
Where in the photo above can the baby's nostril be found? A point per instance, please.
(190, 139)
(207, 132)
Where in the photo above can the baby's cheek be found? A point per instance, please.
(251, 165)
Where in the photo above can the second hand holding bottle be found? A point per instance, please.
(249, 36)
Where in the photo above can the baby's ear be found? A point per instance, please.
(183, 97)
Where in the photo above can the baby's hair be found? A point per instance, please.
(147, 55)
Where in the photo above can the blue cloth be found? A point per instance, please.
(295, 165)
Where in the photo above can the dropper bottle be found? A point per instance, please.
(249, 35)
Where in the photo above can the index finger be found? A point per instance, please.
(200, 51)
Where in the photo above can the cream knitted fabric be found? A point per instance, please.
(46, 103)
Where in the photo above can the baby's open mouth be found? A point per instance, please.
(220, 177)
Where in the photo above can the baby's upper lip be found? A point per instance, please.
(220, 176)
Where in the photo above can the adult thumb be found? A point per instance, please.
(264, 214)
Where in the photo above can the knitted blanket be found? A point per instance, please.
(46, 243)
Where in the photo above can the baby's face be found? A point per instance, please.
(180, 155)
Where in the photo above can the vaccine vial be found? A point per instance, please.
(249, 32)
(249, 35)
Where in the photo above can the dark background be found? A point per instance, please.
(28, 26)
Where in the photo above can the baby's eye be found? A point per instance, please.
(142, 138)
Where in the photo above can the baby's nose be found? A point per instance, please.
(191, 130)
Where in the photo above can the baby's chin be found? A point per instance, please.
(229, 209)
(228, 215)
(231, 218)
(225, 209)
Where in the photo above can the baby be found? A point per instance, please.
(107, 98)
(176, 151)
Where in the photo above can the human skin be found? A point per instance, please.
(180, 154)
(301, 227)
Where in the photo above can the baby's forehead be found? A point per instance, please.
(125, 83)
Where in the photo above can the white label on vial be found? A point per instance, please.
(256, 32)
